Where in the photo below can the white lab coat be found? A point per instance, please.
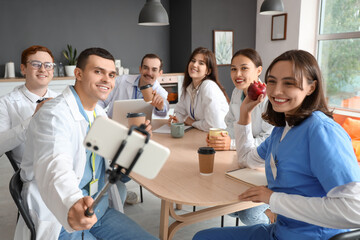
(260, 129)
(53, 166)
(16, 110)
(210, 106)
(124, 89)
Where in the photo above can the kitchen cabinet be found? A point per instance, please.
(58, 84)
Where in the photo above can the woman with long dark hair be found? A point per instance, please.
(311, 169)
(204, 102)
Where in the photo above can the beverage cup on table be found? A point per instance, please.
(216, 132)
(136, 119)
(206, 160)
(177, 130)
(147, 92)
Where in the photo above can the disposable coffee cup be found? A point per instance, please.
(216, 132)
(177, 130)
(147, 92)
(206, 160)
(136, 119)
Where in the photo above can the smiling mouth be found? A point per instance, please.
(239, 81)
(42, 76)
(280, 100)
(103, 87)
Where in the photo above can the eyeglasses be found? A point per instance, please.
(37, 65)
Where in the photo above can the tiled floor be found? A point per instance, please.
(147, 214)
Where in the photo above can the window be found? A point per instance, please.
(339, 52)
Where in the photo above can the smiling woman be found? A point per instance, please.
(203, 103)
(314, 193)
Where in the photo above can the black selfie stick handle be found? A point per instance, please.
(113, 177)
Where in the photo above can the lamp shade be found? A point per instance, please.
(153, 14)
(272, 7)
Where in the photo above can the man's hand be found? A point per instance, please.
(38, 106)
(256, 194)
(220, 143)
(189, 121)
(157, 101)
(76, 215)
(148, 127)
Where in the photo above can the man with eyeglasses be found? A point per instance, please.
(18, 106)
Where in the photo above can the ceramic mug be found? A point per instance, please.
(177, 130)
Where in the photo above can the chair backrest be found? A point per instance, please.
(12, 161)
(15, 187)
(352, 235)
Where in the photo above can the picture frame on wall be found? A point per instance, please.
(278, 27)
(223, 46)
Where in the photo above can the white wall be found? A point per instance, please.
(301, 30)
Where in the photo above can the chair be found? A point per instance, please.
(15, 187)
(352, 235)
(12, 161)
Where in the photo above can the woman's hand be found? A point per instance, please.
(256, 194)
(189, 121)
(220, 143)
(172, 119)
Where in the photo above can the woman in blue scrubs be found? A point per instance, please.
(312, 173)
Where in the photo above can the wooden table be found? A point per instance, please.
(179, 182)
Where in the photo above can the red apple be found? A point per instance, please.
(255, 89)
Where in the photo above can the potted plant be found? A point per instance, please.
(71, 55)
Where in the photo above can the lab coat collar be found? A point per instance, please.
(71, 101)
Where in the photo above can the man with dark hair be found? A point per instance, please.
(128, 86)
(60, 176)
(18, 106)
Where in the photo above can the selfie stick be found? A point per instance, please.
(116, 170)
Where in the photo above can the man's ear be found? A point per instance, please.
(78, 74)
(259, 70)
(23, 69)
(160, 72)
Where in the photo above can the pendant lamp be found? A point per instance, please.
(153, 14)
(272, 7)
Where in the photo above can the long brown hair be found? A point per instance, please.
(304, 65)
(210, 62)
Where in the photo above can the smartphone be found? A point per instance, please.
(105, 137)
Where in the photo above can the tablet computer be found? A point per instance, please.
(106, 136)
(123, 107)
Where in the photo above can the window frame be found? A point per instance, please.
(334, 36)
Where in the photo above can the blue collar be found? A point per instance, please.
(78, 101)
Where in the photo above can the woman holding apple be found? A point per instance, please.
(312, 172)
(204, 102)
(246, 67)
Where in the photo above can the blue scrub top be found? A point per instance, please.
(312, 158)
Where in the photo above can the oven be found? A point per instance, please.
(172, 83)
